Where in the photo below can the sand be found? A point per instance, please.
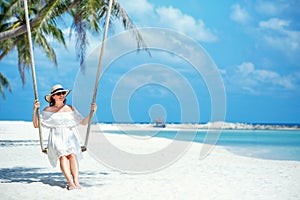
(25, 172)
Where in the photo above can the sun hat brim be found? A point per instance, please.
(48, 97)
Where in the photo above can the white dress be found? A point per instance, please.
(63, 136)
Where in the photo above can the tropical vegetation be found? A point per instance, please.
(45, 17)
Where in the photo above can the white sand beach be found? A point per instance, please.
(25, 172)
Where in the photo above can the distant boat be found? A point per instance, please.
(159, 123)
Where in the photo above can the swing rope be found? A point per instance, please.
(44, 150)
(84, 148)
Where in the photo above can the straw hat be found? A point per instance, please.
(56, 89)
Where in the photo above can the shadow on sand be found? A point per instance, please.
(34, 175)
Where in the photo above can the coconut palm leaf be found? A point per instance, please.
(4, 84)
(89, 15)
(120, 13)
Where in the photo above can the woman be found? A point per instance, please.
(63, 141)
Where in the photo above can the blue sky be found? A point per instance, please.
(254, 45)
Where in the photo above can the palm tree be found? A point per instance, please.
(20, 41)
(87, 15)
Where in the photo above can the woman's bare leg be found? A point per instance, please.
(74, 167)
(65, 168)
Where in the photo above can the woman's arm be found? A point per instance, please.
(36, 106)
(86, 119)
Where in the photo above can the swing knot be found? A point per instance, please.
(83, 148)
(44, 150)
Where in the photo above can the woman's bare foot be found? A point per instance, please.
(78, 186)
(71, 187)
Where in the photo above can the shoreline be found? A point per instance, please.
(187, 126)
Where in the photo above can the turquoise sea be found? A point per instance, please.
(265, 144)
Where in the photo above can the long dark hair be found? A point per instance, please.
(52, 101)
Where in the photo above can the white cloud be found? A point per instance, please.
(285, 44)
(137, 7)
(270, 8)
(239, 14)
(245, 68)
(277, 34)
(247, 77)
(175, 19)
(280, 32)
(145, 14)
(274, 23)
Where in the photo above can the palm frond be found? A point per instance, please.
(4, 83)
(80, 15)
(128, 24)
(6, 47)
(42, 41)
(24, 60)
(80, 28)
(51, 30)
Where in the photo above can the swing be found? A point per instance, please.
(84, 147)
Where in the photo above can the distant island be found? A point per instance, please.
(209, 125)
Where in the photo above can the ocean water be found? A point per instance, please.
(265, 144)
